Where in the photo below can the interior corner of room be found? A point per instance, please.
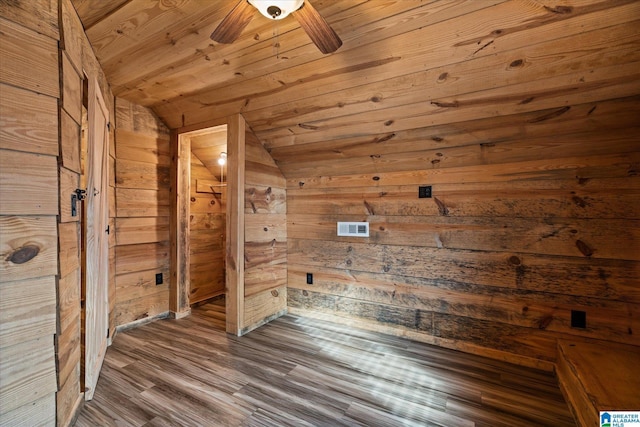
(447, 190)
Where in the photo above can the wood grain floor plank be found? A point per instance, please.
(297, 371)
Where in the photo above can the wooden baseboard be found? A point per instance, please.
(180, 314)
(263, 322)
(140, 322)
(399, 331)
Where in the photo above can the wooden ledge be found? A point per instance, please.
(596, 376)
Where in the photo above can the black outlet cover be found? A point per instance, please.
(424, 192)
(578, 319)
(309, 278)
(158, 278)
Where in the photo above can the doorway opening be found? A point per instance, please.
(180, 230)
(204, 187)
(208, 214)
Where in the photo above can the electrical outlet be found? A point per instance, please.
(424, 192)
(578, 319)
(309, 278)
(158, 278)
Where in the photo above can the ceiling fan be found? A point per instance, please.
(308, 17)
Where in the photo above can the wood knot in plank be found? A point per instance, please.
(23, 254)
(550, 115)
(584, 248)
(300, 184)
(275, 293)
(582, 181)
(579, 201)
(545, 321)
(384, 138)
(369, 208)
(443, 104)
(517, 63)
(308, 127)
(514, 260)
(442, 208)
(437, 139)
(376, 178)
(560, 10)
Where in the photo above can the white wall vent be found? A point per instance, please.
(357, 229)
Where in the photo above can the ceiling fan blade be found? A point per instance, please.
(317, 28)
(232, 25)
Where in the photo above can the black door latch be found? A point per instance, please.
(79, 195)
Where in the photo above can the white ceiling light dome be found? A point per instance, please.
(276, 9)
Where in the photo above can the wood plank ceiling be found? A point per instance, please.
(412, 78)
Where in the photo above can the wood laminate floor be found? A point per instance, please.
(297, 371)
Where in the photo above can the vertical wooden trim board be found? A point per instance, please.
(180, 190)
(235, 224)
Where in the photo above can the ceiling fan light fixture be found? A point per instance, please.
(276, 9)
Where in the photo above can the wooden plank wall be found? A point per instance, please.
(68, 339)
(142, 214)
(265, 250)
(207, 224)
(41, 113)
(78, 62)
(535, 209)
(29, 207)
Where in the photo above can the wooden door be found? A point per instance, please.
(97, 244)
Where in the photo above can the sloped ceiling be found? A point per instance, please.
(414, 81)
(208, 147)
